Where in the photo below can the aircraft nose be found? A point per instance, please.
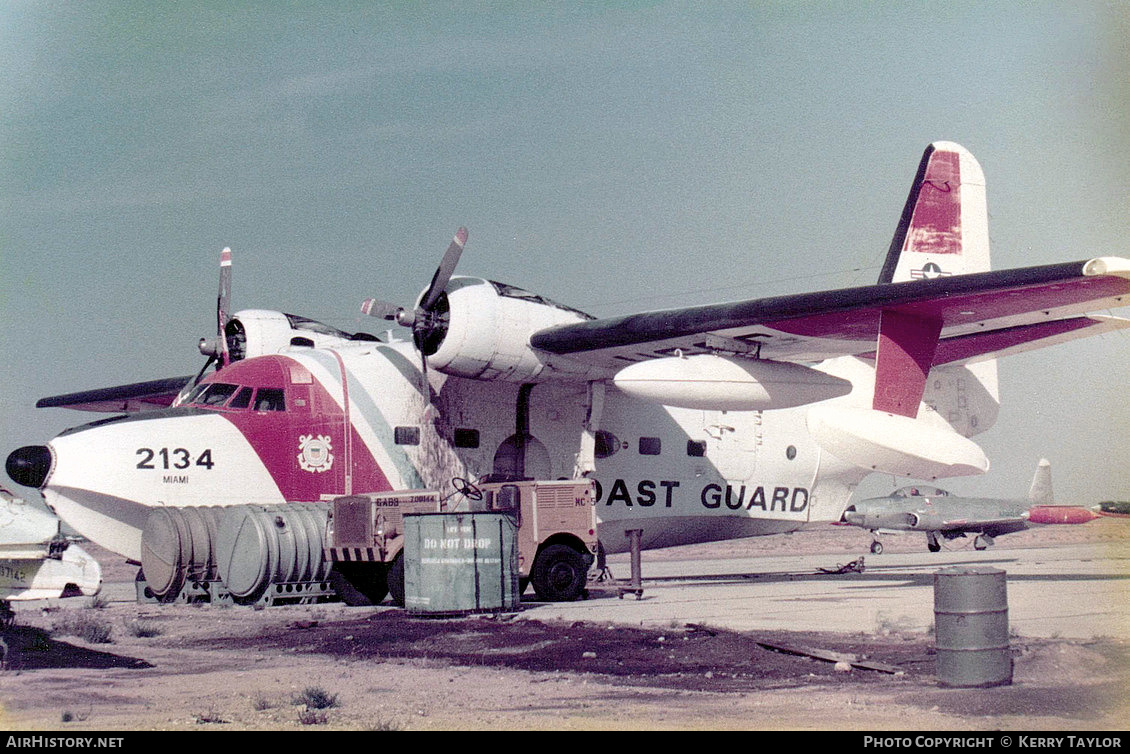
(29, 465)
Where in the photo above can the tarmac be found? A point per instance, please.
(1068, 592)
(1075, 591)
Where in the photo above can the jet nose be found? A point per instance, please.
(29, 465)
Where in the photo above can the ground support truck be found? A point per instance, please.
(557, 541)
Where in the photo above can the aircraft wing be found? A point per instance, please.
(978, 316)
(976, 524)
(138, 396)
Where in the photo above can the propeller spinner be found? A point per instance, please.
(430, 317)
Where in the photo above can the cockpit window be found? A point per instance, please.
(270, 399)
(242, 399)
(216, 394)
(195, 393)
(920, 492)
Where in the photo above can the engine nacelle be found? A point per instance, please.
(259, 332)
(488, 329)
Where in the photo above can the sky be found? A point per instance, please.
(616, 157)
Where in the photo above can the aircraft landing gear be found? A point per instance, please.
(982, 542)
(876, 547)
(932, 543)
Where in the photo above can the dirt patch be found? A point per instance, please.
(184, 667)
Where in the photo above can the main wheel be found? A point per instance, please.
(876, 547)
(359, 584)
(559, 574)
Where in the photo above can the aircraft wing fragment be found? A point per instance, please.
(138, 396)
(976, 523)
(978, 315)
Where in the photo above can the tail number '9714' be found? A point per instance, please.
(176, 458)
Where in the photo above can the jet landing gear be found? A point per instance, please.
(876, 547)
(932, 543)
(982, 542)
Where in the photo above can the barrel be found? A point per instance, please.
(457, 563)
(176, 548)
(971, 627)
(260, 545)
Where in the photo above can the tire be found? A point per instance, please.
(876, 548)
(395, 580)
(359, 584)
(559, 574)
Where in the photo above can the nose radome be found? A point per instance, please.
(29, 465)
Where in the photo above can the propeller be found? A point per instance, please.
(216, 349)
(429, 319)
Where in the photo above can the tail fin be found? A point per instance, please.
(944, 228)
(1041, 491)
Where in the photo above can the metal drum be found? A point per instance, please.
(176, 549)
(971, 627)
(458, 563)
(260, 545)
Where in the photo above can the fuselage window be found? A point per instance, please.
(696, 448)
(242, 399)
(406, 435)
(649, 446)
(216, 394)
(270, 399)
(466, 438)
(606, 444)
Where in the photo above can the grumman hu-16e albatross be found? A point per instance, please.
(941, 514)
(698, 424)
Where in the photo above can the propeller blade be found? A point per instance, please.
(223, 304)
(445, 270)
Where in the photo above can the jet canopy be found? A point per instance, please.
(919, 490)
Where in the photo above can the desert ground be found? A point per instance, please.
(85, 664)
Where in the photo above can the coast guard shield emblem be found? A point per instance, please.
(314, 453)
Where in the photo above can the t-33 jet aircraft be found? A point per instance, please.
(943, 515)
(698, 424)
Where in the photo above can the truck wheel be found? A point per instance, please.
(396, 580)
(359, 584)
(559, 574)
